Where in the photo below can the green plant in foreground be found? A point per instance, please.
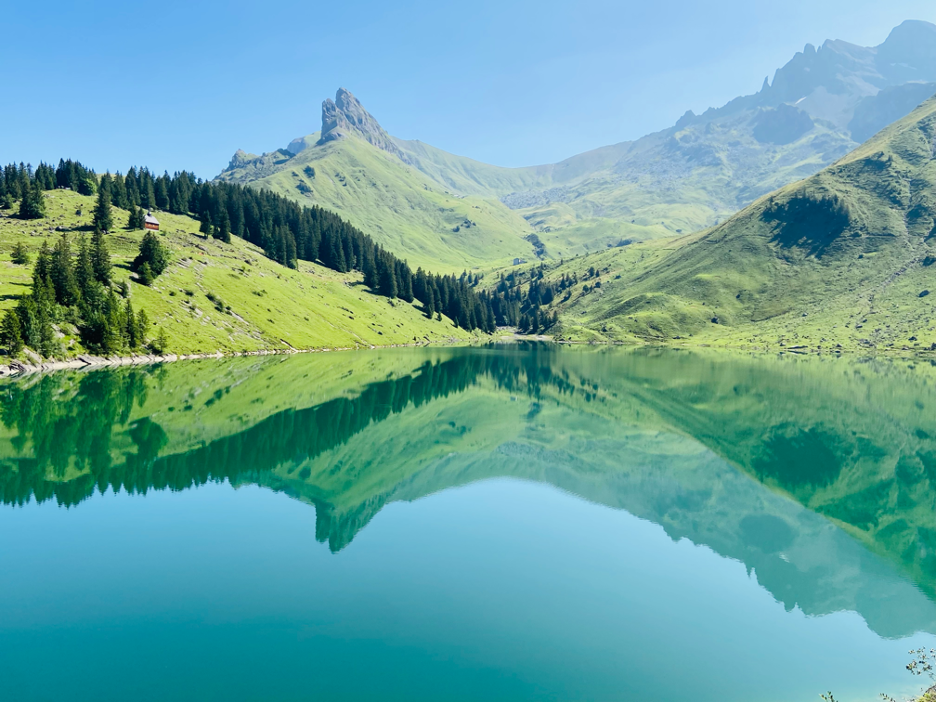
(923, 663)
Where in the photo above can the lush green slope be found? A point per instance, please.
(680, 180)
(263, 304)
(403, 210)
(843, 257)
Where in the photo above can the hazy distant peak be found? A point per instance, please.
(912, 33)
(909, 52)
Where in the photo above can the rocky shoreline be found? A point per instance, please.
(18, 368)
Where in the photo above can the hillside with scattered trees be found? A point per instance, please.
(63, 221)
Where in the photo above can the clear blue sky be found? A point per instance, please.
(176, 85)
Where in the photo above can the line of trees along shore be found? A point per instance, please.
(287, 232)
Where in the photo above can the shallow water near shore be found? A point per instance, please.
(522, 522)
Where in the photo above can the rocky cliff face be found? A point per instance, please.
(828, 83)
(346, 115)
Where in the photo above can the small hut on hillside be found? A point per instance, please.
(150, 222)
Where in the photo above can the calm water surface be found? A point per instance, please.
(506, 523)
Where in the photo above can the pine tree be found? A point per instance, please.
(136, 220)
(114, 337)
(62, 273)
(153, 254)
(142, 326)
(369, 268)
(291, 261)
(223, 232)
(103, 220)
(84, 272)
(162, 193)
(387, 282)
(35, 313)
(132, 330)
(205, 227)
(161, 343)
(20, 255)
(11, 333)
(100, 258)
(147, 193)
(145, 274)
(33, 205)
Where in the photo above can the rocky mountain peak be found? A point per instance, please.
(345, 115)
(909, 52)
(240, 159)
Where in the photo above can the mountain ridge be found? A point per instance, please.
(841, 259)
(684, 178)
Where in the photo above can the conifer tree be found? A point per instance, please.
(136, 220)
(147, 193)
(223, 231)
(84, 272)
(387, 282)
(20, 255)
(162, 193)
(161, 343)
(131, 329)
(205, 227)
(62, 273)
(103, 220)
(153, 254)
(145, 274)
(100, 258)
(33, 205)
(142, 326)
(11, 332)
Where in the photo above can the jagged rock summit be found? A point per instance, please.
(346, 115)
(241, 158)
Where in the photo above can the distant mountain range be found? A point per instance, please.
(448, 211)
(843, 258)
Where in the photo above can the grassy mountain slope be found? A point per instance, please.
(262, 305)
(843, 257)
(680, 180)
(403, 210)
(705, 168)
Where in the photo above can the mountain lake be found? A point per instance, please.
(507, 522)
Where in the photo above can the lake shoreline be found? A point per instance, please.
(83, 362)
(87, 362)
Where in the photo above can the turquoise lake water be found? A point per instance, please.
(505, 523)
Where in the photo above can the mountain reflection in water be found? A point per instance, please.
(818, 474)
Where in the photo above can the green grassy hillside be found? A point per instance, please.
(258, 304)
(679, 180)
(842, 258)
(411, 215)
